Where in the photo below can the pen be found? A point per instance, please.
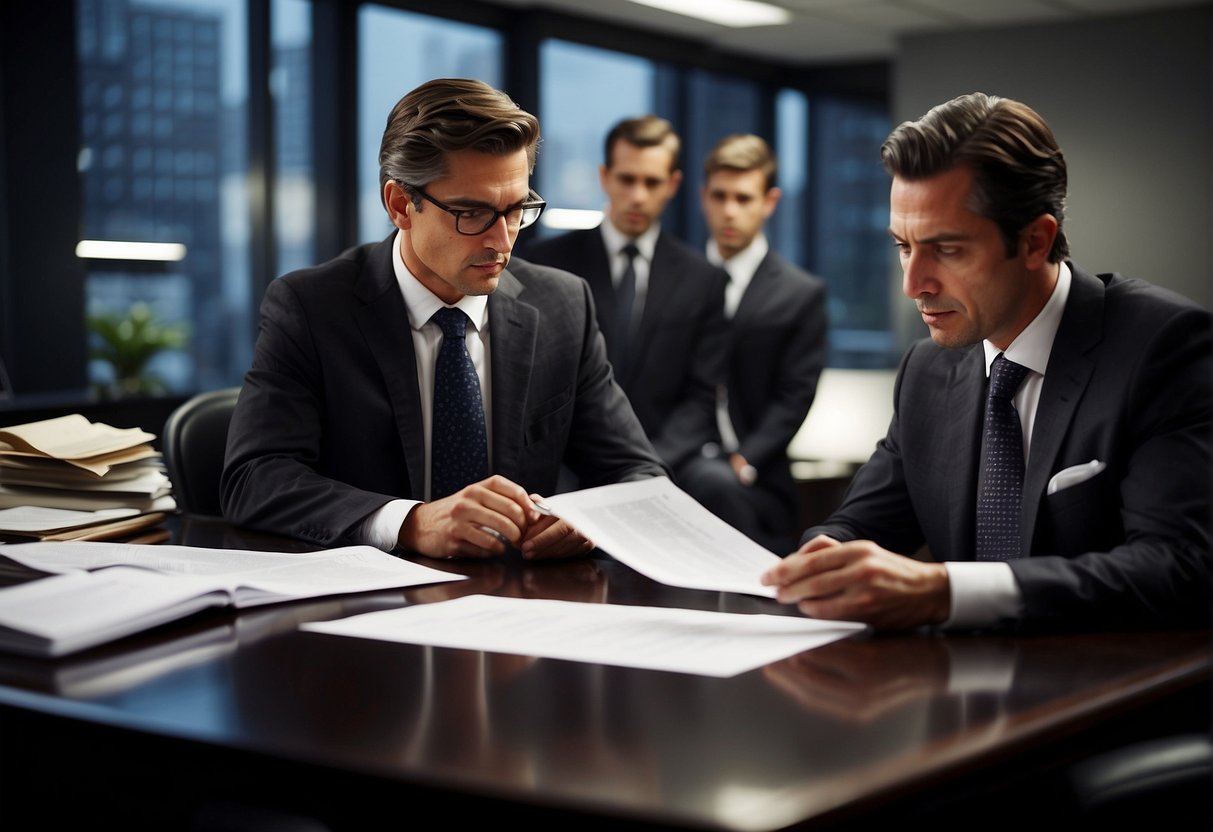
(504, 540)
(540, 507)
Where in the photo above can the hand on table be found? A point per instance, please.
(860, 581)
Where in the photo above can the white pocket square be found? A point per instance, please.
(1074, 475)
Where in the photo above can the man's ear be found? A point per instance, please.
(675, 181)
(1036, 240)
(399, 205)
(770, 201)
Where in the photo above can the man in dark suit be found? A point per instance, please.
(777, 347)
(663, 319)
(1112, 526)
(335, 435)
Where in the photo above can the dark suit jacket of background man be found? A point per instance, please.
(778, 341)
(328, 425)
(678, 354)
(1128, 384)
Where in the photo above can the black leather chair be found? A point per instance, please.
(195, 436)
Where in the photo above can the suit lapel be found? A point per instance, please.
(595, 268)
(660, 294)
(514, 328)
(966, 403)
(757, 290)
(1066, 377)
(384, 322)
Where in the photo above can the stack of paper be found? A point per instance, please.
(86, 470)
(98, 592)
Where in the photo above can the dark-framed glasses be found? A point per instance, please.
(474, 221)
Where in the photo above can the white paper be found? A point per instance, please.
(653, 638)
(107, 590)
(660, 531)
(42, 519)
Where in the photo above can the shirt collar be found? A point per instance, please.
(615, 240)
(1031, 347)
(421, 303)
(742, 265)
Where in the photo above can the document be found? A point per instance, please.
(652, 638)
(62, 524)
(70, 437)
(102, 591)
(660, 531)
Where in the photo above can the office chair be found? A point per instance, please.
(195, 437)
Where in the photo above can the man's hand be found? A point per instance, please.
(859, 581)
(746, 473)
(550, 537)
(477, 521)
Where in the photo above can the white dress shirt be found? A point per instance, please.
(615, 241)
(382, 528)
(984, 592)
(740, 267)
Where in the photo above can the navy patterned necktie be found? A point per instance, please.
(1002, 466)
(458, 441)
(625, 302)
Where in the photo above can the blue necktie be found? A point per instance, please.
(1002, 466)
(458, 442)
(625, 302)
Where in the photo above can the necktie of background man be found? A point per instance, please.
(625, 302)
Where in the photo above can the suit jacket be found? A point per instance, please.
(1128, 384)
(678, 356)
(777, 348)
(328, 426)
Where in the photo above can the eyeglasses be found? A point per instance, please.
(474, 221)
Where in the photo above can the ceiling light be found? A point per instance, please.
(735, 13)
(120, 250)
(566, 219)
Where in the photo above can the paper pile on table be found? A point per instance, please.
(61, 476)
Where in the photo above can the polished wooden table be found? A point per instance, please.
(242, 715)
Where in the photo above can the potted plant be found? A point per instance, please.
(128, 342)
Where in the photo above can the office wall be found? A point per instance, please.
(1130, 99)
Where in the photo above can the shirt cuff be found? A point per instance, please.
(983, 594)
(381, 528)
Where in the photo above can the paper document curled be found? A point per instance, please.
(661, 531)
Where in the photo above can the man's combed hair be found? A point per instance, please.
(742, 152)
(645, 131)
(1019, 172)
(447, 115)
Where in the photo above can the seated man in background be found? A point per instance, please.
(1083, 501)
(777, 348)
(416, 393)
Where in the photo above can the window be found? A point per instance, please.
(583, 92)
(290, 88)
(786, 230)
(851, 220)
(717, 105)
(397, 52)
(162, 112)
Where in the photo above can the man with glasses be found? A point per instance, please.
(416, 393)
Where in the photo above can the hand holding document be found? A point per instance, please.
(660, 531)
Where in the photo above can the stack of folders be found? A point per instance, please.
(71, 479)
